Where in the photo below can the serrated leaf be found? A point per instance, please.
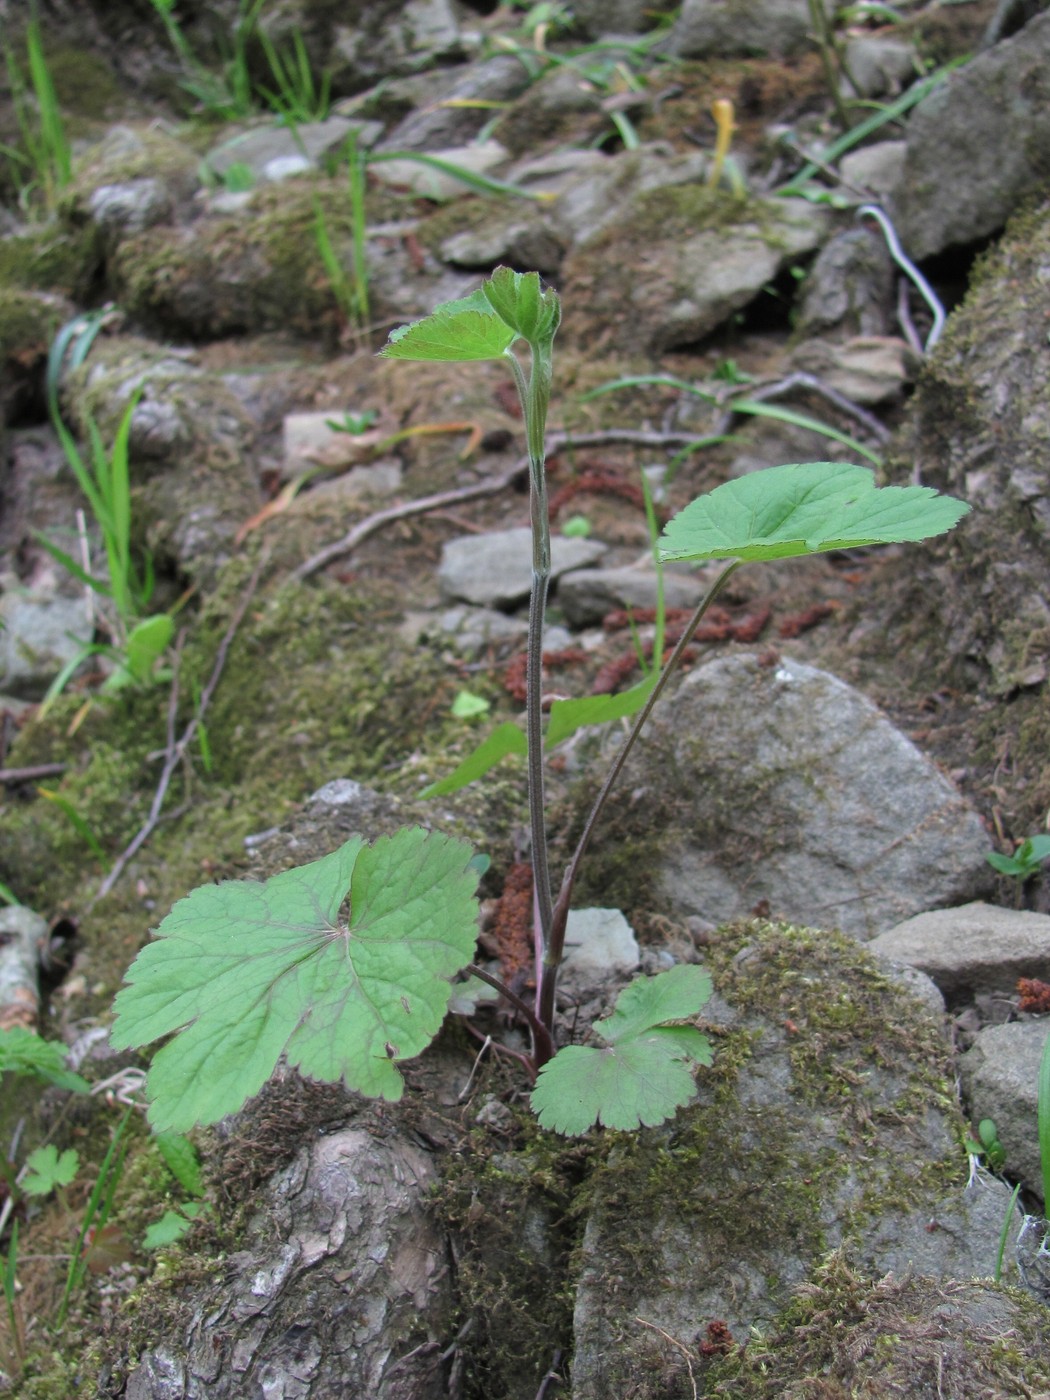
(247, 972)
(24, 1052)
(521, 303)
(805, 508)
(49, 1168)
(171, 1227)
(644, 1073)
(466, 329)
(180, 1157)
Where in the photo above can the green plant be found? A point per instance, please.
(137, 638)
(353, 423)
(24, 1052)
(987, 1145)
(344, 966)
(297, 97)
(1026, 861)
(8, 895)
(180, 1157)
(228, 94)
(44, 150)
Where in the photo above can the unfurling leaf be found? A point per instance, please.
(644, 1073)
(244, 973)
(805, 508)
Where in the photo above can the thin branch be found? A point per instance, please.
(675, 1343)
(556, 442)
(176, 749)
(30, 775)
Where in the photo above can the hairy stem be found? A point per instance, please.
(534, 393)
(556, 938)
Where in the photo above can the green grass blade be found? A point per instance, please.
(483, 184)
(637, 381)
(77, 822)
(99, 1205)
(1005, 1232)
(756, 408)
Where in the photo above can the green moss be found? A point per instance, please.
(51, 257)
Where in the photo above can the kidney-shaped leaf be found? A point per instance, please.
(645, 1071)
(805, 508)
(245, 972)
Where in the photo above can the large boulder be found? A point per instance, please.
(782, 784)
(978, 145)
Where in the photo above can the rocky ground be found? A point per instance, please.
(338, 542)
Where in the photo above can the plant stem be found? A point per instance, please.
(534, 394)
(542, 1044)
(556, 938)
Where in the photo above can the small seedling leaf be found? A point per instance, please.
(467, 329)
(467, 705)
(49, 1168)
(521, 303)
(146, 644)
(242, 973)
(644, 1073)
(170, 1228)
(805, 508)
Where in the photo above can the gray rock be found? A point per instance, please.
(516, 237)
(878, 169)
(674, 280)
(276, 152)
(495, 569)
(601, 18)
(793, 788)
(977, 145)
(601, 192)
(865, 369)
(1000, 1080)
(849, 288)
(599, 945)
(130, 207)
(980, 429)
(447, 118)
(720, 1214)
(41, 631)
(425, 180)
(724, 28)
(977, 948)
(379, 39)
(587, 595)
(878, 65)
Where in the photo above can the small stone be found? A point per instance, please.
(496, 569)
(599, 944)
(977, 948)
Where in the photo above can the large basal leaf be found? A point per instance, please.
(644, 1073)
(805, 508)
(244, 973)
(467, 329)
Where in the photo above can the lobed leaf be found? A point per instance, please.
(243, 973)
(805, 508)
(467, 329)
(644, 1073)
(49, 1168)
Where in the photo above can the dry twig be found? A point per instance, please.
(175, 749)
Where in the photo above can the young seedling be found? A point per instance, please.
(344, 966)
